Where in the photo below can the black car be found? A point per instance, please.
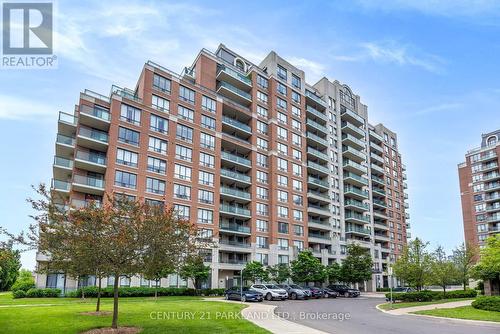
(245, 294)
(344, 290)
(314, 291)
(329, 293)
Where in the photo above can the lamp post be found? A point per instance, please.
(389, 270)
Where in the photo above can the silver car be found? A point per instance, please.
(295, 291)
(270, 291)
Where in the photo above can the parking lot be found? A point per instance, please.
(359, 315)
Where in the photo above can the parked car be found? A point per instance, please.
(314, 291)
(245, 295)
(295, 291)
(344, 290)
(329, 293)
(403, 289)
(270, 291)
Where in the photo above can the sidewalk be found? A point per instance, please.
(263, 316)
(406, 310)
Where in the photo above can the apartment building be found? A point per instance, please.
(480, 190)
(263, 162)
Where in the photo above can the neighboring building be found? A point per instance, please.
(480, 190)
(265, 163)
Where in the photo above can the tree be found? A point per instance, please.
(333, 272)
(10, 263)
(195, 269)
(24, 281)
(254, 271)
(414, 264)
(306, 268)
(443, 270)
(464, 258)
(357, 265)
(279, 273)
(488, 267)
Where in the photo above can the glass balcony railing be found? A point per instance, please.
(346, 136)
(97, 112)
(355, 165)
(351, 113)
(317, 113)
(317, 153)
(80, 203)
(88, 181)
(357, 204)
(235, 158)
(67, 118)
(357, 216)
(378, 179)
(319, 207)
(234, 192)
(380, 203)
(317, 126)
(378, 191)
(347, 149)
(234, 227)
(356, 229)
(60, 185)
(234, 74)
(376, 146)
(358, 178)
(93, 134)
(360, 192)
(377, 168)
(317, 221)
(91, 157)
(235, 175)
(65, 140)
(317, 138)
(319, 236)
(353, 128)
(236, 123)
(314, 180)
(315, 97)
(317, 167)
(234, 209)
(235, 90)
(63, 162)
(235, 243)
(318, 193)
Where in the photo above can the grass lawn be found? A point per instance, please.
(146, 313)
(387, 306)
(464, 312)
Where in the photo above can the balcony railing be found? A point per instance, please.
(96, 112)
(357, 130)
(354, 215)
(346, 136)
(357, 204)
(234, 74)
(61, 185)
(88, 181)
(67, 118)
(234, 209)
(317, 138)
(234, 192)
(93, 134)
(361, 230)
(236, 123)
(235, 175)
(91, 157)
(358, 178)
(235, 90)
(317, 126)
(380, 203)
(315, 97)
(314, 180)
(235, 158)
(63, 162)
(363, 193)
(317, 113)
(318, 167)
(234, 227)
(352, 114)
(65, 140)
(355, 165)
(318, 193)
(354, 152)
(317, 153)
(235, 243)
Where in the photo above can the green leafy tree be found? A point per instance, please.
(254, 271)
(279, 273)
(24, 281)
(464, 258)
(307, 268)
(443, 270)
(195, 269)
(10, 263)
(488, 267)
(414, 264)
(357, 265)
(333, 272)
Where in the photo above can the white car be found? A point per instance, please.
(270, 291)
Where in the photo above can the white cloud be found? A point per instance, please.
(439, 108)
(313, 70)
(21, 109)
(391, 52)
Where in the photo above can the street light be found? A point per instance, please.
(389, 271)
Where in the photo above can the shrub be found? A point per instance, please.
(427, 295)
(43, 293)
(490, 303)
(91, 292)
(469, 293)
(23, 285)
(383, 289)
(18, 294)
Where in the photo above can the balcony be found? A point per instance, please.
(236, 125)
(234, 93)
(93, 138)
(351, 116)
(223, 244)
(376, 168)
(319, 238)
(64, 145)
(378, 138)
(318, 167)
(378, 191)
(380, 225)
(317, 126)
(235, 194)
(318, 182)
(489, 166)
(376, 179)
(365, 232)
(79, 203)
(61, 186)
(491, 176)
(319, 224)
(317, 139)
(66, 124)
(95, 117)
(354, 167)
(356, 205)
(318, 210)
(486, 157)
(235, 78)
(234, 228)
(235, 176)
(353, 154)
(317, 113)
(376, 147)
(90, 161)
(492, 186)
(62, 168)
(355, 193)
(376, 158)
(381, 236)
(88, 184)
(352, 141)
(379, 214)
(319, 196)
(493, 218)
(233, 210)
(354, 179)
(236, 159)
(315, 98)
(317, 154)
(491, 197)
(354, 217)
(352, 130)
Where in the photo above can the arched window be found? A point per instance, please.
(491, 140)
(239, 64)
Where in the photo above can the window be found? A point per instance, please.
(262, 177)
(261, 111)
(185, 113)
(281, 103)
(130, 114)
(207, 141)
(298, 200)
(262, 160)
(297, 155)
(298, 215)
(297, 169)
(262, 193)
(205, 216)
(182, 172)
(128, 136)
(262, 82)
(296, 139)
(182, 211)
(282, 148)
(157, 145)
(296, 81)
(299, 244)
(282, 196)
(155, 186)
(205, 196)
(282, 244)
(155, 203)
(184, 133)
(283, 259)
(262, 97)
(261, 242)
(295, 97)
(262, 143)
(262, 209)
(127, 158)
(161, 83)
(282, 73)
(157, 165)
(262, 127)
(186, 94)
(124, 179)
(282, 133)
(262, 225)
(297, 185)
(182, 191)
(262, 258)
(158, 124)
(298, 230)
(208, 104)
(283, 212)
(282, 118)
(207, 160)
(281, 88)
(208, 122)
(183, 153)
(160, 103)
(296, 125)
(206, 178)
(282, 180)
(296, 111)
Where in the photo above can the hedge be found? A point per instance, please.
(490, 303)
(91, 292)
(37, 293)
(383, 289)
(428, 295)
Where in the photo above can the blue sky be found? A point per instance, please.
(426, 69)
